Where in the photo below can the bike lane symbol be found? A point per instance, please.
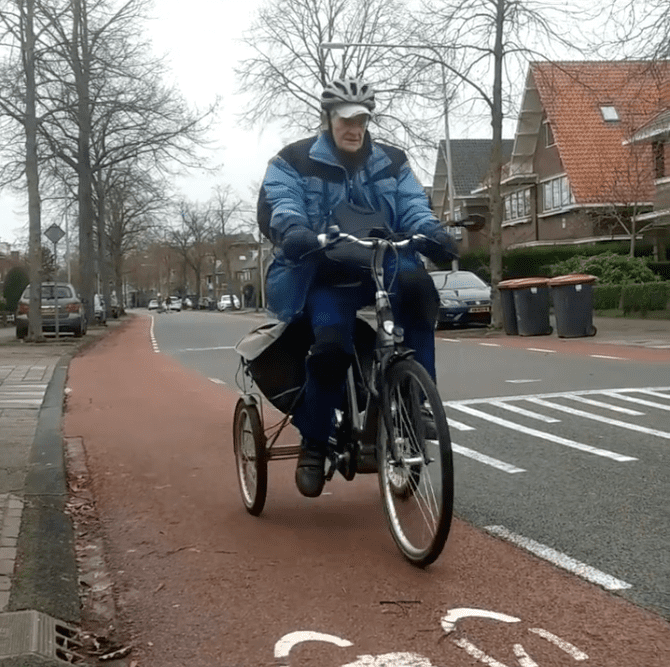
(287, 642)
(449, 621)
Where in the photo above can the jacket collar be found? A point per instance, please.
(323, 150)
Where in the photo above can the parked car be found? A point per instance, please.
(71, 313)
(464, 298)
(153, 304)
(205, 303)
(228, 301)
(175, 303)
(99, 309)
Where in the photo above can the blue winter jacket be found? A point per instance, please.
(297, 199)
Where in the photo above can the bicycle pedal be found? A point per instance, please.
(366, 459)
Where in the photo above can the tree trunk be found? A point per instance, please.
(32, 177)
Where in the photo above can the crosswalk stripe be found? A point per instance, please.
(600, 404)
(600, 418)
(526, 413)
(541, 434)
(459, 426)
(640, 401)
(487, 460)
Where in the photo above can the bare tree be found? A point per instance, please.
(491, 42)
(287, 70)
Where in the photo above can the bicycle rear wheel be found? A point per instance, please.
(416, 475)
(250, 456)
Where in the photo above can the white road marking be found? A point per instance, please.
(449, 621)
(287, 642)
(540, 349)
(205, 349)
(524, 659)
(560, 559)
(540, 434)
(649, 392)
(569, 648)
(607, 356)
(450, 340)
(599, 418)
(487, 460)
(526, 413)
(490, 344)
(154, 344)
(459, 426)
(608, 406)
(619, 394)
(216, 381)
(521, 381)
(477, 653)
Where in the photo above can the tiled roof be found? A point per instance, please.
(592, 149)
(470, 160)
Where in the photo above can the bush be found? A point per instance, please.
(609, 268)
(606, 297)
(15, 282)
(643, 298)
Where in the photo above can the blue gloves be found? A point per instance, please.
(440, 247)
(298, 241)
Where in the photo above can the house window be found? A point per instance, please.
(517, 204)
(556, 194)
(609, 113)
(659, 159)
(548, 134)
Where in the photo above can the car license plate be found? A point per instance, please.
(480, 309)
(49, 310)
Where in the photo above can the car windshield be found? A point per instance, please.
(53, 291)
(458, 280)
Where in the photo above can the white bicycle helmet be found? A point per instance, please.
(347, 91)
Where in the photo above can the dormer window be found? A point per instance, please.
(548, 135)
(609, 113)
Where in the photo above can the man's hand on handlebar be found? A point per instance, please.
(439, 247)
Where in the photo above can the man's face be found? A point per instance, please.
(349, 133)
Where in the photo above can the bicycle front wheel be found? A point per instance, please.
(250, 456)
(416, 474)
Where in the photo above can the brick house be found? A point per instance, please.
(574, 177)
(656, 223)
(470, 160)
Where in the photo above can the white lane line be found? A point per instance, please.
(216, 381)
(599, 418)
(490, 344)
(540, 434)
(563, 561)
(459, 426)
(607, 356)
(521, 381)
(487, 460)
(206, 349)
(540, 349)
(619, 394)
(608, 406)
(526, 413)
(450, 340)
(154, 344)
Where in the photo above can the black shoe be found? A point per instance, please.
(429, 430)
(310, 472)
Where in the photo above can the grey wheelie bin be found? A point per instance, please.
(531, 302)
(573, 305)
(508, 310)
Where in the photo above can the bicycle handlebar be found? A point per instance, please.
(326, 240)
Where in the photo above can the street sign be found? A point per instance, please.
(54, 234)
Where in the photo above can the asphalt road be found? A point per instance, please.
(546, 456)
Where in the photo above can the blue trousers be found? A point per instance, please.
(332, 314)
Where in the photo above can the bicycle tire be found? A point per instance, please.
(418, 494)
(250, 456)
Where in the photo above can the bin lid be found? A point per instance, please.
(522, 283)
(572, 279)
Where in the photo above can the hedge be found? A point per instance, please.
(639, 298)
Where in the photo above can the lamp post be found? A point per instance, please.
(449, 189)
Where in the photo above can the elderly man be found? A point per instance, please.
(311, 185)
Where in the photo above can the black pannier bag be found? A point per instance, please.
(274, 355)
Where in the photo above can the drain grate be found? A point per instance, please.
(36, 639)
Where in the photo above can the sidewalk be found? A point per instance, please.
(38, 570)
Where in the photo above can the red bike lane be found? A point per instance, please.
(199, 582)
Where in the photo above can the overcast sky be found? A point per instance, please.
(199, 38)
